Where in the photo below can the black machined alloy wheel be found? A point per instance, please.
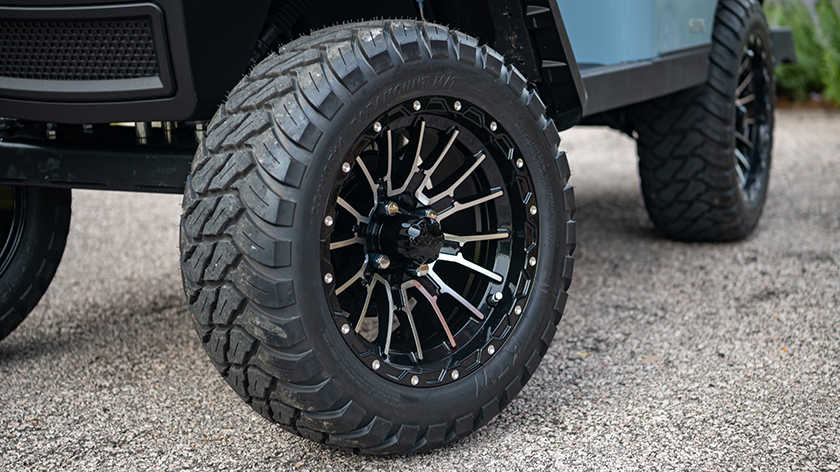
(753, 125)
(432, 241)
(377, 237)
(705, 152)
(34, 223)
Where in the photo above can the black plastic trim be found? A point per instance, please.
(93, 90)
(618, 85)
(783, 49)
(160, 169)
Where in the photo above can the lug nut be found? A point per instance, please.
(389, 208)
(495, 298)
(427, 213)
(419, 271)
(380, 261)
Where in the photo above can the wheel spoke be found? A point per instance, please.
(461, 240)
(415, 166)
(390, 158)
(358, 275)
(407, 307)
(748, 55)
(359, 218)
(458, 205)
(390, 315)
(743, 101)
(741, 178)
(433, 302)
(745, 163)
(741, 137)
(346, 242)
(446, 289)
(743, 85)
(373, 186)
(459, 259)
(428, 174)
(479, 157)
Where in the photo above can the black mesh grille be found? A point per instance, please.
(77, 50)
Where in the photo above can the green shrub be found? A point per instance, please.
(816, 35)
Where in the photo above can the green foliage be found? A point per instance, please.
(816, 35)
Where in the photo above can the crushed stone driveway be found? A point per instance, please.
(671, 356)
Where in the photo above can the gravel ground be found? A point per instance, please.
(670, 355)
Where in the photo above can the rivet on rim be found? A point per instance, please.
(377, 127)
(493, 126)
(416, 105)
(328, 278)
(415, 380)
(520, 163)
(329, 220)
(375, 364)
(517, 310)
(533, 210)
(457, 106)
(346, 167)
(345, 329)
(491, 349)
(455, 375)
(532, 261)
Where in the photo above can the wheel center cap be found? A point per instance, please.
(409, 238)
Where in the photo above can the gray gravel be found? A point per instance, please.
(670, 355)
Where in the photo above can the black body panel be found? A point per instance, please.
(211, 40)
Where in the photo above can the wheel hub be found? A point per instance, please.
(407, 238)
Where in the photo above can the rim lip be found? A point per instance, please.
(760, 109)
(502, 318)
(11, 240)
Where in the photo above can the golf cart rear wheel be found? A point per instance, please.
(704, 153)
(377, 236)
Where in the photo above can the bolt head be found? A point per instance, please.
(420, 271)
(533, 210)
(493, 126)
(328, 278)
(377, 127)
(345, 329)
(415, 380)
(381, 261)
(328, 220)
(346, 167)
(416, 105)
(517, 310)
(498, 296)
(532, 261)
(392, 208)
(457, 106)
(491, 349)
(375, 364)
(520, 163)
(455, 374)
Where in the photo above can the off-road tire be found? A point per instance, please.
(252, 223)
(686, 141)
(33, 251)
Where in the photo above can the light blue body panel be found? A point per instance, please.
(604, 32)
